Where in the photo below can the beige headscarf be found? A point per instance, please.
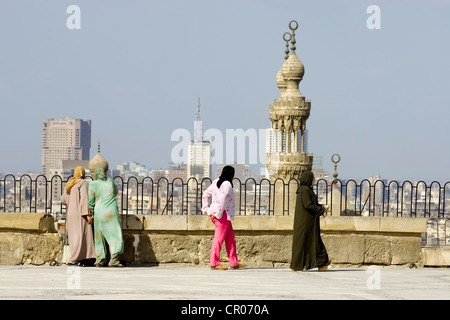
(77, 177)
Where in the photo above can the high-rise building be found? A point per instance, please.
(199, 152)
(64, 139)
(287, 155)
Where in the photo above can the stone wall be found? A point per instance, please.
(262, 241)
(267, 241)
(29, 238)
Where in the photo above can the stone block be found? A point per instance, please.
(242, 223)
(337, 223)
(248, 249)
(284, 223)
(377, 250)
(166, 222)
(436, 257)
(254, 223)
(344, 248)
(406, 250)
(163, 248)
(204, 249)
(277, 248)
(409, 225)
(350, 223)
(199, 222)
(30, 248)
(36, 222)
(11, 248)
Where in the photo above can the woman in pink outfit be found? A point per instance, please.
(221, 212)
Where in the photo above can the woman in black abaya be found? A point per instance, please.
(308, 250)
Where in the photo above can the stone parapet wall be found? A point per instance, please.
(30, 222)
(262, 241)
(266, 241)
(29, 238)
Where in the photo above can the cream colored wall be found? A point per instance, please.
(265, 241)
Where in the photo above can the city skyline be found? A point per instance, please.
(136, 70)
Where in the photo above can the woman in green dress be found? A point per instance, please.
(308, 250)
(103, 205)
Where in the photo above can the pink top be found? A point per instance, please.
(222, 199)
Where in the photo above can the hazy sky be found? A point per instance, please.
(379, 98)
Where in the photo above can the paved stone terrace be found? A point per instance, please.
(170, 282)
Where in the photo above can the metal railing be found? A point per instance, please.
(144, 195)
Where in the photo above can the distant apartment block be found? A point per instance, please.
(64, 139)
(177, 171)
(130, 169)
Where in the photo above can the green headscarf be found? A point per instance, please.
(100, 174)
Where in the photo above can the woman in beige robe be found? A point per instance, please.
(78, 219)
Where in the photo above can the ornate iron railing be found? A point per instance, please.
(143, 195)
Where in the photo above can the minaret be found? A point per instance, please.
(287, 159)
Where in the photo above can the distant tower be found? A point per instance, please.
(198, 130)
(286, 157)
(199, 151)
(64, 139)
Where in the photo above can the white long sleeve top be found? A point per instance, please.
(221, 199)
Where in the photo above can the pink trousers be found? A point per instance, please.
(223, 232)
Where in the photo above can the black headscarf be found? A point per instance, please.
(306, 179)
(226, 175)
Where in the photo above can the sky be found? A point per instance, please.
(379, 97)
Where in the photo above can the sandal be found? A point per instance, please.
(239, 265)
(325, 268)
(118, 265)
(218, 267)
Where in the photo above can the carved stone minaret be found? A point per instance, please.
(286, 157)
